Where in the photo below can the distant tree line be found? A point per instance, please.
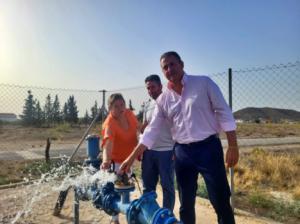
(34, 114)
(95, 110)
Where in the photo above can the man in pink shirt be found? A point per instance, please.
(197, 111)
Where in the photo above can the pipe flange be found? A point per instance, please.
(163, 216)
(133, 212)
(108, 202)
(97, 200)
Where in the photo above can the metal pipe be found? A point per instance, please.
(113, 201)
(76, 208)
(144, 210)
(231, 169)
(83, 137)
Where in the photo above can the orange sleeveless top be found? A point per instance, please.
(123, 140)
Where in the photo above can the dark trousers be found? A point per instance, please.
(159, 164)
(204, 157)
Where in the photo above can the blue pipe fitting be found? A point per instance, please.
(92, 146)
(92, 151)
(145, 210)
(105, 198)
(163, 216)
(113, 201)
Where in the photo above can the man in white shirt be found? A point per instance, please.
(158, 160)
(197, 111)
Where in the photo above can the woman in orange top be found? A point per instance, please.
(119, 135)
(119, 132)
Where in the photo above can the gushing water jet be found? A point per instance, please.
(114, 198)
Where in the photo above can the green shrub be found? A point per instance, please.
(275, 208)
(63, 128)
(58, 131)
(58, 167)
(4, 180)
(258, 199)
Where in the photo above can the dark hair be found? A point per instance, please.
(153, 78)
(170, 53)
(113, 98)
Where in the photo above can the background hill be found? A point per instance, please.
(267, 114)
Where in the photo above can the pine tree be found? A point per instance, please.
(28, 110)
(48, 110)
(56, 110)
(39, 117)
(72, 110)
(94, 110)
(65, 113)
(86, 118)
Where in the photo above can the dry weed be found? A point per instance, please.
(268, 130)
(268, 170)
(296, 193)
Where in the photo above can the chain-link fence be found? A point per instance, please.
(37, 123)
(263, 99)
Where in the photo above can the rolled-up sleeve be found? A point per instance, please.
(152, 130)
(223, 112)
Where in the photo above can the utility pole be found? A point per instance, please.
(103, 97)
(103, 109)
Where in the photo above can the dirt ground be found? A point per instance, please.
(37, 204)
(19, 138)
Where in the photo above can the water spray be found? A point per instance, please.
(63, 194)
(113, 197)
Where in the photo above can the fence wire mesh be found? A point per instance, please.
(274, 86)
(262, 88)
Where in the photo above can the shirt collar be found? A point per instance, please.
(184, 78)
(183, 81)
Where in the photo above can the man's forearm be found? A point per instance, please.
(125, 166)
(232, 154)
(139, 149)
(144, 125)
(231, 138)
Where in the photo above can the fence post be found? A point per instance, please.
(231, 170)
(47, 154)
